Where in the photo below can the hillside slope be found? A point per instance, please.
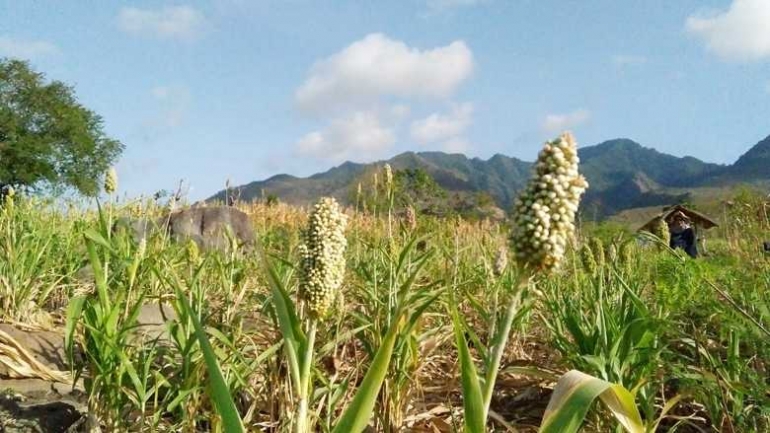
(622, 175)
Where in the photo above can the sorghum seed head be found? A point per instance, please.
(626, 253)
(388, 175)
(545, 210)
(323, 256)
(111, 181)
(587, 259)
(598, 248)
(612, 253)
(193, 252)
(501, 261)
(142, 247)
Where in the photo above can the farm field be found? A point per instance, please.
(688, 339)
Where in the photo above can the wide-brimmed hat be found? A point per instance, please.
(679, 215)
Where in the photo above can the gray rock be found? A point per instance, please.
(152, 322)
(208, 227)
(47, 414)
(36, 405)
(46, 346)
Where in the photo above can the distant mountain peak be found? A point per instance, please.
(621, 172)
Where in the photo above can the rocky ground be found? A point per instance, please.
(33, 396)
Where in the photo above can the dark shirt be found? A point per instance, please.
(686, 241)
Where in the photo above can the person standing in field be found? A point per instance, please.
(682, 234)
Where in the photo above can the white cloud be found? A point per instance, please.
(399, 112)
(438, 127)
(171, 22)
(26, 49)
(628, 60)
(443, 5)
(558, 123)
(377, 66)
(355, 135)
(457, 145)
(740, 33)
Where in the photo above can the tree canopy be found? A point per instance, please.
(48, 139)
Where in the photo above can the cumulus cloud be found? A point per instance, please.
(740, 33)
(628, 60)
(360, 133)
(170, 22)
(26, 49)
(377, 66)
(557, 123)
(438, 127)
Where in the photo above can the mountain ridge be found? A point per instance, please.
(622, 174)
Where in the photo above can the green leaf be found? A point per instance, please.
(473, 401)
(573, 396)
(291, 330)
(359, 411)
(74, 310)
(220, 392)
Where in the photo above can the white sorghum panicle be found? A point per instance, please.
(323, 256)
(10, 192)
(501, 261)
(141, 249)
(388, 176)
(545, 211)
(111, 181)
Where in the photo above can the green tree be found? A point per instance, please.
(47, 139)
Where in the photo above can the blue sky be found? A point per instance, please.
(210, 90)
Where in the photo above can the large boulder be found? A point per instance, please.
(208, 227)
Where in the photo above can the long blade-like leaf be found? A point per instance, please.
(359, 411)
(293, 338)
(573, 396)
(220, 392)
(472, 399)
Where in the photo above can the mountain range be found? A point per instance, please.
(622, 175)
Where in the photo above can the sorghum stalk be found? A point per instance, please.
(322, 273)
(543, 224)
